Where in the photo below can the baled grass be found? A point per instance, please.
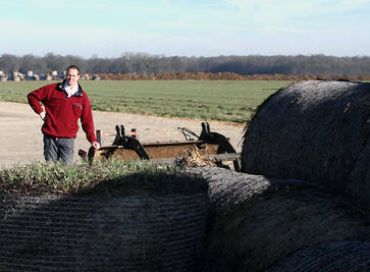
(105, 177)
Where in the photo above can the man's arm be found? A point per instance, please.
(88, 123)
(34, 100)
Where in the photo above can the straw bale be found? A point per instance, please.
(88, 232)
(317, 131)
(255, 222)
(349, 256)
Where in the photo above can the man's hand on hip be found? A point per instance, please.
(42, 115)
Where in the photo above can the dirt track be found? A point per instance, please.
(21, 137)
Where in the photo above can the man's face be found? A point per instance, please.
(72, 77)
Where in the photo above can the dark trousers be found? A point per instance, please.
(58, 149)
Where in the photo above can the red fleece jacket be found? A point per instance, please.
(63, 112)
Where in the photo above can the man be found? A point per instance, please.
(60, 106)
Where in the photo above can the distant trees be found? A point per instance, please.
(143, 64)
(9, 63)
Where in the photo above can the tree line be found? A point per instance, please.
(143, 64)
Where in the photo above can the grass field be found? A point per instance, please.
(206, 100)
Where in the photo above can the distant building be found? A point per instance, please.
(31, 75)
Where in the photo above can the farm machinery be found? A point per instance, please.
(208, 145)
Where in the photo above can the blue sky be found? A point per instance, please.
(109, 28)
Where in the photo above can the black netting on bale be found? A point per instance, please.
(135, 232)
(349, 256)
(314, 130)
(256, 222)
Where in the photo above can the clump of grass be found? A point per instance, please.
(105, 176)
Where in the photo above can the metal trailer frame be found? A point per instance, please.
(124, 147)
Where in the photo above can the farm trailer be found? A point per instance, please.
(208, 145)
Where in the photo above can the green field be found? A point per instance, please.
(206, 100)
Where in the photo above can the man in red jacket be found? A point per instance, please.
(60, 106)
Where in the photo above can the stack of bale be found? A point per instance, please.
(154, 223)
(303, 206)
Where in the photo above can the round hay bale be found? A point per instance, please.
(256, 222)
(106, 229)
(349, 256)
(317, 131)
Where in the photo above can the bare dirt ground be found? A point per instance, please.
(21, 137)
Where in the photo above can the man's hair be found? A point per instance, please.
(73, 67)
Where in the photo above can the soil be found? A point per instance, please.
(21, 137)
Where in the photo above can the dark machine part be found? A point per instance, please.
(220, 140)
(127, 142)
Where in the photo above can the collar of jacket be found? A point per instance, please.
(61, 88)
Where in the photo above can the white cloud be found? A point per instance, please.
(288, 7)
(184, 27)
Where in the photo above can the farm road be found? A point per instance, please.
(21, 137)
